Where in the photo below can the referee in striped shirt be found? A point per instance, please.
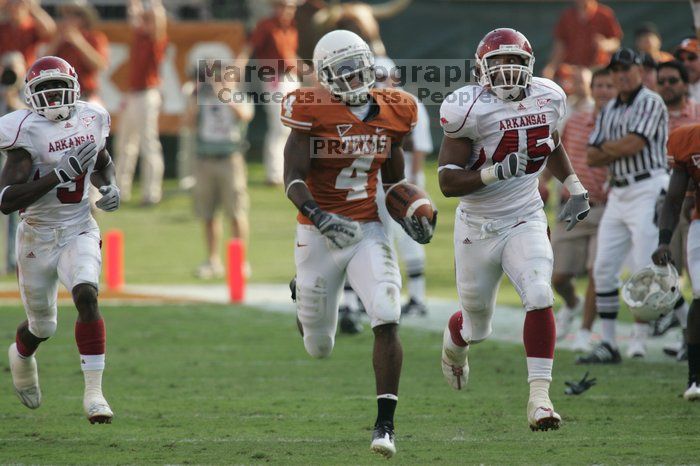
(630, 138)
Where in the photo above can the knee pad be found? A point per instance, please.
(476, 327)
(43, 328)
(386, 304)
(538, 296)
(319, 346)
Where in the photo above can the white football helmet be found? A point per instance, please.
(652, 292)
(57, 98)
(345, 66)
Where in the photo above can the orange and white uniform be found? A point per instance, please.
(346, 156)
(684, 147)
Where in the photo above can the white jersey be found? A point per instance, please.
(497, 128)
(47, 141)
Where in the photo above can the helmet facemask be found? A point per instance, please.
(53, 97)
(506, 80)
(349, 76)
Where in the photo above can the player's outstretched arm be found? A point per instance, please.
(670, 213)
(340, 231)
(16, 190)
(103, 179)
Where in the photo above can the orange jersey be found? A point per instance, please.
(684, 147)
(346, 152)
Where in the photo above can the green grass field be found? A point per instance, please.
(218, 384)
(212, 384)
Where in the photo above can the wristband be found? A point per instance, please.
(309, 208)
(488, 175)
(665, 236)
(573, 185)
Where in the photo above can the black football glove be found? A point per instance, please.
(576, 388)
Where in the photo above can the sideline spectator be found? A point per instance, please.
(574, 251)
(12, 71)
(275, 38)
(687, 53)
(220, 169)
(585, 35)
(576, 83)
(138, 125)
(648, 71)
(23, 25)
(79, 43)
(648, 40)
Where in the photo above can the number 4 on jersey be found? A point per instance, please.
(354, 178)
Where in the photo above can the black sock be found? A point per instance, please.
(694, 362)
(385, 411)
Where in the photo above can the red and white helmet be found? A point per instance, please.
(54, 103)
(505, 80)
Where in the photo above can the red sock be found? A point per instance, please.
(539, 333)
(455, 326)
(91, 337)
(25, 350)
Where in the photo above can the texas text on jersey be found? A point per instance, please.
(346, 152)
(47, 141)
(497, 128)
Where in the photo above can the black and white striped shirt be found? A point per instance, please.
(644, 114)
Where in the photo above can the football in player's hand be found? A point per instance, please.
(408, 200)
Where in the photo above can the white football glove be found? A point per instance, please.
(575, 210)
(513, 166)
(75, 162)
(110, 199)
(420, 230)
(341, 231)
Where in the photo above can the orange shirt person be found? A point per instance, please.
(79, 43)
(23, 25)
(585, 35)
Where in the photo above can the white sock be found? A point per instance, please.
(539, 369)
(607, 330)
(539, 393)
(92, 362)
(416, 288)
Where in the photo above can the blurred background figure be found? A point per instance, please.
(138, 125)
(576, 82)
(79, 43)
(276, 38)
(12, 71)
(586, 34)
(687, 53)
(23, 25)
(648, 40)
(219, 130)
(648, 71)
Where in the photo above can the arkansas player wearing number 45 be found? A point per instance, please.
(499, 134)
(51, 151)
(342, 135)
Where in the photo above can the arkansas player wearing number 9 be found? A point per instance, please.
(342, 135)
(498, 136)
(52, 151)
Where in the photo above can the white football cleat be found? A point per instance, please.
(383, 440)
(565, 317)
(540, 412)
(97, 409)
(692, 393)
(637, 347)
(25, 378)
(455, 367)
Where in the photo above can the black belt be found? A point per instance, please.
(622, 182)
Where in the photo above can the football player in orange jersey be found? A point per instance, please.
(684, 147)
(343, 134)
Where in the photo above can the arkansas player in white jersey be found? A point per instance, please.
(499, 135)
(52, 152)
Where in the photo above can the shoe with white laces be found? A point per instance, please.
(601, 354)
(637, 347)
(565, 317)
(582, 341)
(97, 409)
(692, 393)
(540, 411)
(25, 377)
(455, 366)
(383, 440)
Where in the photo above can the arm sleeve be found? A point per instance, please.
(456, 116)
(12, 133)
(645, 117)
(295, 113)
